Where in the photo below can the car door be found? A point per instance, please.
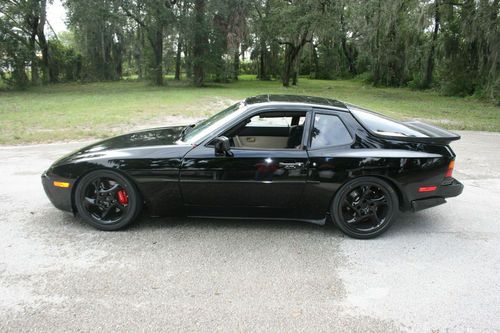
(331, 136)
(253, 182)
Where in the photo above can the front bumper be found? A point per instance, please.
(448, 190)
(60, 197)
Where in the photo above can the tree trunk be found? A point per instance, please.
(291, 52)
(427, 81)
(158, 57)
(118, 56)
(42, 41)
(287, 70)
(188, 61)
(295, 73)
(376, 70)
(314, 65)
(178, 60)
(200, 43)
(345, 49)
(34, 59)
(138, 53)
(263, 61)
(236, 63)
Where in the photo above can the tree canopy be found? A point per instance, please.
(449, 45)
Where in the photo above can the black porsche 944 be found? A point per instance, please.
(267, 157)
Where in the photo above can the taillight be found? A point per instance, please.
(449, 172)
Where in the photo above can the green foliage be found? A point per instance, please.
(65, 64)
(99, 38)
(248, 67)
(14, 57)
(450, 46)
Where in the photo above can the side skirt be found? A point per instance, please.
(318, 222)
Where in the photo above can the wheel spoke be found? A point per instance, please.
(111, 190)
(97, 184)
(89, 201)
(100, 200)
(365, 190)
(354, 211)
(107, 211)
(379, 201)
(120, 206)
(365, 207)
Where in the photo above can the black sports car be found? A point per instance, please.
(270, 157)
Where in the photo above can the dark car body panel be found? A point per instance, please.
(179, 178)
(252, 181)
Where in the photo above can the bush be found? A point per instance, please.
(65, 64)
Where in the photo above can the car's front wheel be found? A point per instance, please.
(365, 207)
(107, 200)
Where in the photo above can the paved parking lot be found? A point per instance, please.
(436, 270)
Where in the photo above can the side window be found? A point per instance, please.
(329, 130)
(269, 130)
(258, 121)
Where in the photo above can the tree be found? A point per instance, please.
(429, 68)
(200, 42)
(450, 45)
(22, 24)
(293, 34)
(99, 37)
(153, 17)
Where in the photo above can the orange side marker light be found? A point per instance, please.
(61, 184)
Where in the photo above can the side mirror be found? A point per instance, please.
(222, 146)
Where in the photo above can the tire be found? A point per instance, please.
(365, 207)
(107, 200)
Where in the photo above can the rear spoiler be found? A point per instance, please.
(435, 134)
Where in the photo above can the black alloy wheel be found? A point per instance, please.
(107, 200)
(365, 207)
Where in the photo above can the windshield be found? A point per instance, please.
(204, 127)
(382, 125)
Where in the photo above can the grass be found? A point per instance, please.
(76, 111)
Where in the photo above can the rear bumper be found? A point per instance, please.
(449, 190)
(60, 197)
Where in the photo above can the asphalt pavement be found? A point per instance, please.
(434, 271)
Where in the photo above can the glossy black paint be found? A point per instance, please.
(252, 182)
(179, 178)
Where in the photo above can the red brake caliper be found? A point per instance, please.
(122, 197)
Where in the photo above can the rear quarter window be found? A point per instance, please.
(329, 130)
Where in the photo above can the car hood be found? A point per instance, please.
(122, 145)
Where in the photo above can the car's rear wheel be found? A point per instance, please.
(365, 207)
(107, 200)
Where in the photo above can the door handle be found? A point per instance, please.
(291, 166)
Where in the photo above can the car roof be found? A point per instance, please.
(311, 100)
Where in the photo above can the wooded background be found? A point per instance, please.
(449, 45)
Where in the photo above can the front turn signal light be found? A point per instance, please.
(61, 184)
(449, 172)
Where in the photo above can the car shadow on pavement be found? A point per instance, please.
(419, 222)
(146, 222)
